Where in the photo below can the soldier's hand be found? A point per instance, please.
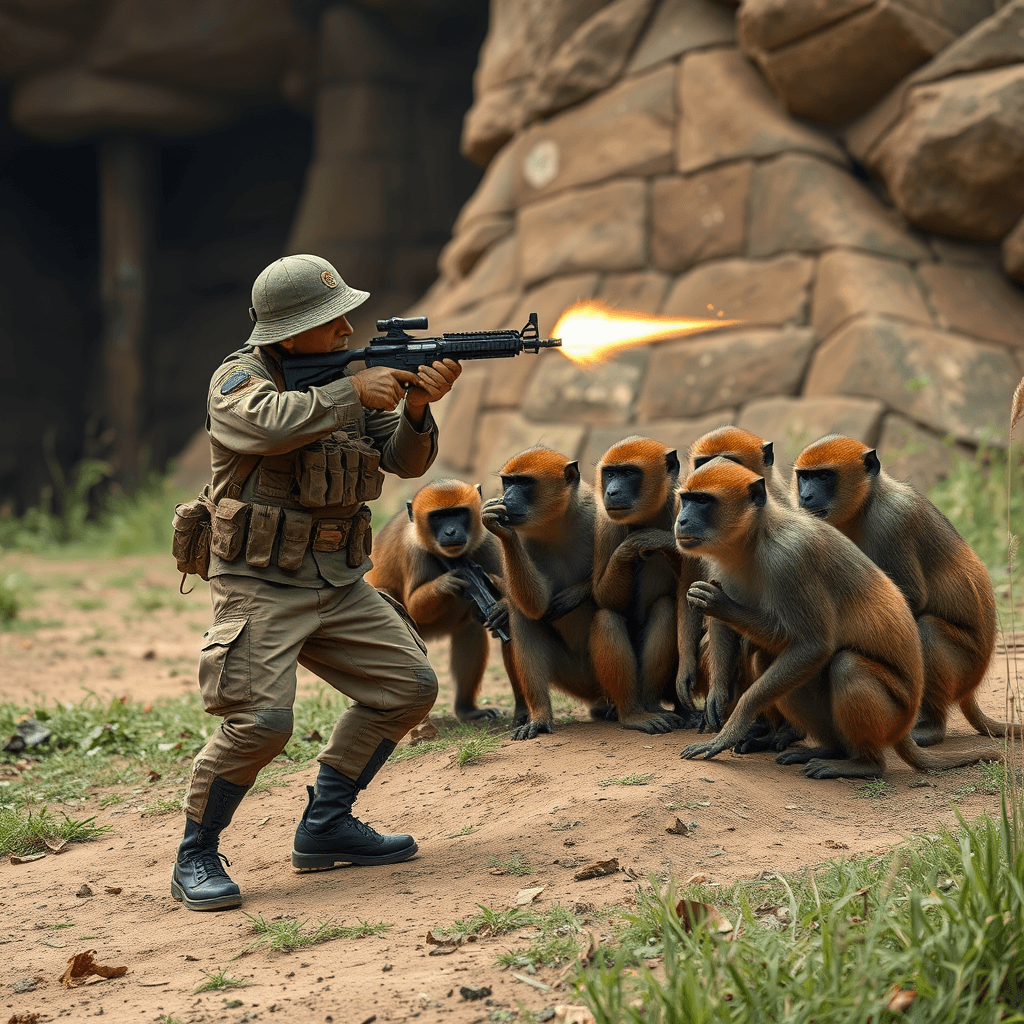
(432, 382)
(380, 387)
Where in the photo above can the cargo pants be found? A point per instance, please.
(349, 636)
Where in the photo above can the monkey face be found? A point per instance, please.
(450, 529)
(620, 489)
(518, 494)
(696, 519)
(816, 489)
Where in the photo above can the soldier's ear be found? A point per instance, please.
(480, 491)
(408, 508)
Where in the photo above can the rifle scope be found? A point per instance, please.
(400, 323)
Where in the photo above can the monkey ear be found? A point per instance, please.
(768, 453)
(480, 491)
(871, 464)
(572, 474)
(758, 492)
(672, 462)
(408, 508)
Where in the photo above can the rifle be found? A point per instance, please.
(480, 591)
(402, 351)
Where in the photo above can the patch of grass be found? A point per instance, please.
(939, 918)
(169, 805)
(562, 826)
(475, 738)
(283, 936)
(514, 865)
(10, 601)
(488, 921)
(874, 789)
(89, 604)
(61, 924)
(25, 833)
(473, 749)
(466, 830)
(555, 943)
(220, 979)
(627, 780)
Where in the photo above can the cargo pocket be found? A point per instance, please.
(294, 539)
(224, 678)
(228, 526)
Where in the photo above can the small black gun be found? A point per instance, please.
(480, 591)
(402, 351)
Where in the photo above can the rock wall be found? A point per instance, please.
(658, 156)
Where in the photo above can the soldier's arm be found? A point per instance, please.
(248, 415)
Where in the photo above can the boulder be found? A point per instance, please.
(689, 378)
(74, 103)
(26, 48)
(765, 25)
(679, 26)
(598, 228)
(942, 380)
(919, 456)
(977, 302)
(729, 113)
(500, 435)
(1013, 252)
(495, 273)
(493, 119)
(493, 196)
(700, 216)
(566, 393)
(756, 291)
(240, 47)
(460, 255)
(803, 203)
(956, 15)
(591, 58)
(493, 314)
(679, 434)
(953, 161)
(850, 283)
(643, 290)
(793, 423)
(629, 129)
(834, 74)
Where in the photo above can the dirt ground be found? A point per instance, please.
(120, 627)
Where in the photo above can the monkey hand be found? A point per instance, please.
(713, 716)
(705, 750)
(451, 583)
(531, 729)
(651, 541)
(498, 618)
(709, 598)
(496, 519)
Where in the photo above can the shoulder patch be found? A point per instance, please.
(234, 381)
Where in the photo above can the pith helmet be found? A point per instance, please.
(295, 293)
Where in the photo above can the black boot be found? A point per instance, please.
(199, 879)
(328, 833)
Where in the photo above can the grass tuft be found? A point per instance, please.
(627, 780)
(220, 979)
(23, 833)
(473, 749)
(283, 936)
(514, 865)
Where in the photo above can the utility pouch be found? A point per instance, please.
(371, 479)
(262, 532)
(360, 541)
(331, 534)
(335, 479)
(313, 477)
(228, 528)
(351, 458)
(191, 541)
(294, 538)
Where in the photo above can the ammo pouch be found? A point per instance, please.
(339, 470)
(353, 535)
(228, 528)
(190, 544)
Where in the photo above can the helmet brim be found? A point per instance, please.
(336, 303)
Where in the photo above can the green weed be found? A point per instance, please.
(627, 780)
(169, 805)
(473, 749)
(220, 979)
(10, 601)
(25, 833)
(875, 788)
(475, 738)
(282, 936)
(489, 921)
(89, 604)
(556, 942)
(466, 830)
(514, 865)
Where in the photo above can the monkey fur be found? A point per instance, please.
(847, 668)
(441, 522)
(544, 523)
(841, 481)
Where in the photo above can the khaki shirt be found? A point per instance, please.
(256, 417)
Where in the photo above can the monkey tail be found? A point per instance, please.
(924, 761)
(985, 725)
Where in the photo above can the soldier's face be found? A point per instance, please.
(329, 337)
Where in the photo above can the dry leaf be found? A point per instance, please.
(573, 1015)
(445, 943)
(833, 845)
(113, 890)
(426, 730)
(692, 913)
(27, 859)
(526, 896)
(901, 999)
(680, 828)
(587, 954)
(82, 965)
(153, 776)
(597, 869)
(24, 1018)
(496, 871)
(696, 879)
(55, 845)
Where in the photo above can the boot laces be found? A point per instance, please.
(208, 865)
(366, 830)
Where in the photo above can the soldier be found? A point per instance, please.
(290, 545)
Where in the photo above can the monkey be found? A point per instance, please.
(642, 651)
(847, 667)
(841, 481)
(772, 731)
(412, 555)
(544, 522)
